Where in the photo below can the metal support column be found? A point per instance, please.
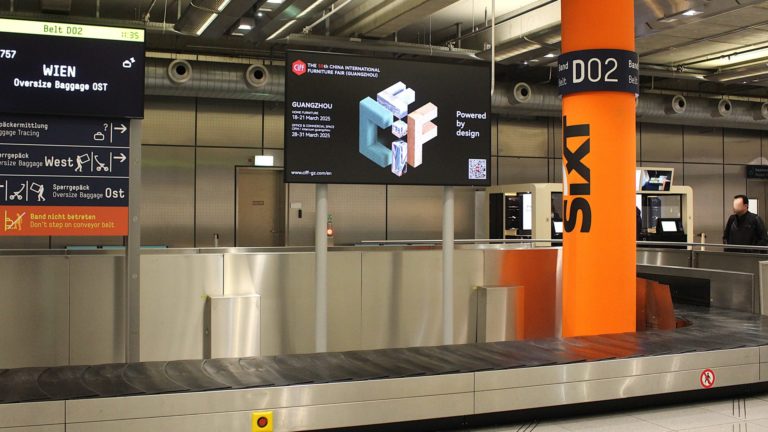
(321, 268)
(133, 248)
(448, 235)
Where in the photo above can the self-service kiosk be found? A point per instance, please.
(666, 210)
(534, 210)
(523, 211)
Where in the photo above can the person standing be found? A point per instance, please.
(744, 227)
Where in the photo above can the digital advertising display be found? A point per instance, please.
(364, 120)
(71, 69)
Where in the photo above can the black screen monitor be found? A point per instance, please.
(669, 226)
(654, 179)
(71, 69)
(558, 227)
(364, 120)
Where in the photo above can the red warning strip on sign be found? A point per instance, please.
(707, 378)
(64, 221)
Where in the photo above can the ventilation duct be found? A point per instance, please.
(761, 113)
(179, 71)
(525, 97)
(651, 108)
(257, 76)
(56, 6)
(677, 105)
(259, 82)
(724, 107)
(214, 80)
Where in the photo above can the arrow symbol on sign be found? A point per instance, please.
(121, 158)
(121, 129)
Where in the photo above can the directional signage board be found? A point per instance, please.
(63, 176)
(71, 69)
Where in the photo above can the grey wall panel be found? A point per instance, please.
(286, 284)
(494, 171)
(301, 215)
(402, 297)
(173, 294)
(97, 305)
(523, 138)
(274, 136)
(707, 184)
(168, 196)
(556, 172)
(168, 121)
(741, 147)
(7, 242)
(494, 135)
(552, 142)
(372, 212)
(463, 213)
(215, 193)
(661, 143)
(522, 170)
(556, 138)
(51, 428)
(63, 242)
(703, 144)
(734, 183)
(359, 212)
(414, 212)
(229, 123)
(34, 312)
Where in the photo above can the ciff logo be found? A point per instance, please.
(299, 67)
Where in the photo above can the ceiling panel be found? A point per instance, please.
(698, 30)
(744, 37)
(741, 17)
(658, 41)
(684, 55)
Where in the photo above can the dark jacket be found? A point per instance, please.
(748, 229)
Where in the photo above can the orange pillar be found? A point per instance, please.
(597, 77)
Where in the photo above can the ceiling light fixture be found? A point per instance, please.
(676, 16)
(212, 18)
(206, 24)
(309, 9)
(281, 29)
(246, 24)
(243, 27)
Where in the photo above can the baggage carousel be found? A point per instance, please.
(442, 385)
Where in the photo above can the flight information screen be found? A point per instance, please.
(352, 119)
(71, 69)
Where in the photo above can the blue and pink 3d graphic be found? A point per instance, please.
(388, 110)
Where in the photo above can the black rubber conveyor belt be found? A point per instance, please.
(711, 329)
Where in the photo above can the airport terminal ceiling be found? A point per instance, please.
(701, 47)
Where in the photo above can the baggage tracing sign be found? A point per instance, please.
(63, 176)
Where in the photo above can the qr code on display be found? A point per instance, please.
(477, 169)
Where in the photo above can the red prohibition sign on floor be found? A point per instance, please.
(707, 378)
